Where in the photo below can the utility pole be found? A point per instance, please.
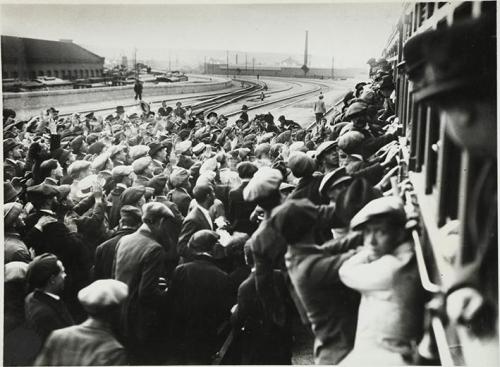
(227, 64)
(253, 65)
(135, 61)
(332, 66)
(205, 66)
(246, 61)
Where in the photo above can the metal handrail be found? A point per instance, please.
(441, 342)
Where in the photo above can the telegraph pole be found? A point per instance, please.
(332, 66)
(227, 64)
(246, 61)
(205, 65)
(135, 61)
(253, 65)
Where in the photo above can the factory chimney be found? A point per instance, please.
(305, 51)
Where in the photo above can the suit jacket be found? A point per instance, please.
(15, 249)
(181, 198)
(263, 342)
(202, 296)
(240, 210)
(105, 254)
(82, 345)
(194, 222)
(45, 314)
(139, 262)
(331, 307)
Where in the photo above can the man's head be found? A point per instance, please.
(51, 168)
(102, 298)
(382, 222)
(158, 151)
(12, 149)
(79, 169)
(204, 195)
(263, 188)
(12, 216)
(123, 175)
(203, 241)
(46, 272)
(153, 215)
(130, 217)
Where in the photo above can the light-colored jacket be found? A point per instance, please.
(389, 318)
(319, 106)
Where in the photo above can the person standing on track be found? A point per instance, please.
(319, 108)
(138, 89)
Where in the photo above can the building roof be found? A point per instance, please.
(44, 51)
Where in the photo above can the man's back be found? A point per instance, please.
(82, 345)
(139, 262)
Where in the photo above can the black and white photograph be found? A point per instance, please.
(215, 182)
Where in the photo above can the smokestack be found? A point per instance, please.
(305, 51)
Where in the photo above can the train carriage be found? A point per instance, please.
(453, 188)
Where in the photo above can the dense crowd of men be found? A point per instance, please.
(144, 238)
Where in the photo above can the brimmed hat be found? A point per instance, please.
(389, 206)
(325, 147)
(333, 179)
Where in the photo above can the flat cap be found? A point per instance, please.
(78, 166)
(43, 190)
(138, 151)
(284, 137)
(140, 164)
(155, 147)
(297, 146)
(210, 164)
(131, 213)
(203, 241)
(325, 147)
(102, 293)
(158, 183)
(351, 141)
(357, 107)
(390, 206)
(266, 137)
(246, 169)
(99, 162)
(263, 183)
(9, 144)
(184, 146)
(155, 210)
(199, 148)
(96, 148)
(262, 149)
(77, 143)
(115, 149)
(294, 218)
(41, 269)
(121, 171)
(132, 195)
(301, 164)
(332, 179)
(11, 212)
(179, 176)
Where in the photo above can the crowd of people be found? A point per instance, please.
(144, 238)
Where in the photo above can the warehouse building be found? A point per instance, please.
(28, 58)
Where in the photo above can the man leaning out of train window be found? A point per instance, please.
(384, 271)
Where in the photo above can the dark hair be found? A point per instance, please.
(201, 192)
(46, 167)
(41, 269)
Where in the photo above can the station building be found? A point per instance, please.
(29, 58)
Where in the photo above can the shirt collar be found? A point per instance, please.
(52, 295)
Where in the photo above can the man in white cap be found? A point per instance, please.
(92, 343)
(384, 271)
(139, 262)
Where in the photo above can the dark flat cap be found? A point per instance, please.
(294, 219)
(301, 164)
(246, 169)
(203, 241)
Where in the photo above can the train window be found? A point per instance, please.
(463, 11)
(40, 73)
(431, 148)
(56, 73)
(49, 73)
(430, 9)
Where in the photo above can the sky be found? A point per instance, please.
(350, 32)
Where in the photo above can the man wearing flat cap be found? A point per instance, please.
(240, 210)
(197, 219)
(122, 176)
(78, 170)
(158, 153)
(179, 180)
(139, 263)
(14, 248)
(203, 296)
(388, 325)
(327, 156)
(130, 221)
(331, 307)
(92, 343)
(143, 171)
(12, 154)
(303, 167)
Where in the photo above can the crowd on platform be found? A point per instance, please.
(145, 238)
